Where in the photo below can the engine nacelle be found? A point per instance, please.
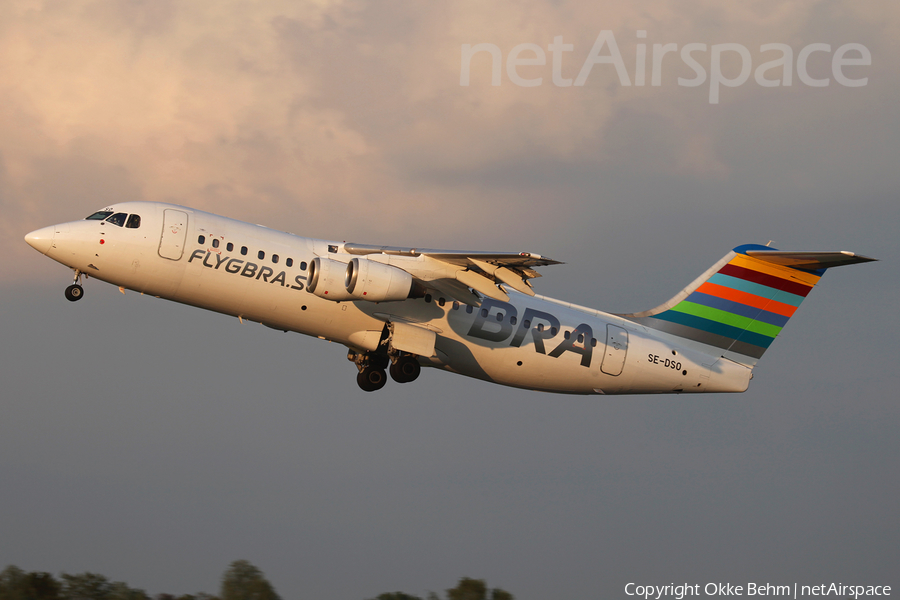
(325, 279)
(377, 282)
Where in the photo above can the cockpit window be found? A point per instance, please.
(117, 219)
(133, 222)
(99, 215)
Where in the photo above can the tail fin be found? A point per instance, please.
(743, 301)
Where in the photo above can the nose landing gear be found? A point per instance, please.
(75, 292)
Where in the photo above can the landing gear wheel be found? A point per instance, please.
(406, 369)
(74, 292)
(371, 379)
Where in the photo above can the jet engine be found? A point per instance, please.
(325, 279)
(377, 282)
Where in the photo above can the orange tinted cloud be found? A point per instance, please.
(338, 118)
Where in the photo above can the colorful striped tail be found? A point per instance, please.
(742, 302)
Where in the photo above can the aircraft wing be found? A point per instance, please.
(459, 270)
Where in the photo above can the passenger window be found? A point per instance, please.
(303, 266)
(117, 219)
(484, 313)
(427, 297)
(566, 335)
(261, 254)
(469, 308)
(554, 331)
(526, 324)
(455, 305)
(215, 242)
(99, 215)
(201, 240)
(229, 246)
(593, 342)
(512, 320)
(133, 222)
(244, 250)
(441, 301)
(275, 259)
(580, 338)
(289, 262)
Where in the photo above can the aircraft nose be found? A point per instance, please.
(41, 239)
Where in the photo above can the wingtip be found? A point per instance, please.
(860, 257)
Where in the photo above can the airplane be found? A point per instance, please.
(474, 313)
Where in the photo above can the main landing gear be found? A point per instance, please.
(405, 368)
(75, 292)
(372, 376)
(371, 366)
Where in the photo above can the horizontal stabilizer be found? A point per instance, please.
(741, 303)
(811, 261)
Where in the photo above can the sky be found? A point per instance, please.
(156, 443)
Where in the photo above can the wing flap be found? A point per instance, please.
(456, 290)
(482, 285)
(407, 337)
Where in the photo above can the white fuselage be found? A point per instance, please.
(259, 274)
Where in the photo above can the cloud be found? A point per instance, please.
(346, 118)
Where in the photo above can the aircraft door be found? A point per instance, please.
(616, 349)
(174, 232)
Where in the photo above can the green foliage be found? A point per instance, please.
(121, 591)
(476, 589)
(466, 589)
(15, 584)
(11, 583)
(42, 586)
(92, 586)
(243, 581)
(86, 586)
(198, 596)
